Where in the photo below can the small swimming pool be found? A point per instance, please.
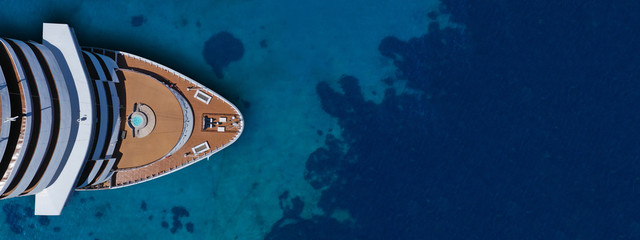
(137, 121)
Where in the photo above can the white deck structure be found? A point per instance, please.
(53, 198)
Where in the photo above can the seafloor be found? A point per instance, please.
(376, 119)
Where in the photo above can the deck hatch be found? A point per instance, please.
(201, 148)
(202, 96)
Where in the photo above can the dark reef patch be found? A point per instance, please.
(138, 20)
(175, 226)
(323, 164)
(432, 15)
(526, 129)
(438, 58)
(44, 220)
(378, 164)
(316, 228)
(388, 81)
(221, 49)
(291, 207)
(143, 206)
(292, 226)
(164, 224)
(246, 104)
(189, 227)
(16, 214)
(178, 212)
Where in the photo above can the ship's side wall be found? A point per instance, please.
(30, 124)
(67, 113)
(102, 77)
(42, 150)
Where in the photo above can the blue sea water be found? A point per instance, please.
(376, 119)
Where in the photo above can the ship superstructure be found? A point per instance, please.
(89, 118)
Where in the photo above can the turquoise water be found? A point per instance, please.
(288, 47)
(376, 119)
(136, 121)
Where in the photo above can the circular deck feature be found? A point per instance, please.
(137, 121)
(142, 120)
(154, 120)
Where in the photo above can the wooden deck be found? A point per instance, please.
(137, 152)
(147, 82)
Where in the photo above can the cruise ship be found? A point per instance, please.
(85, 118)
